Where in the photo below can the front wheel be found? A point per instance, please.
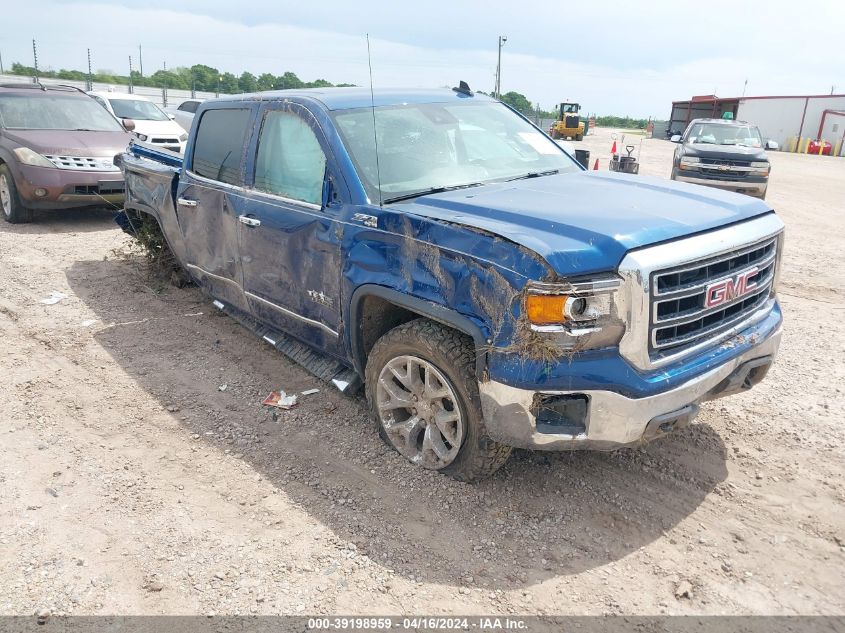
(579, 137)
(422, 390)
(13, 210)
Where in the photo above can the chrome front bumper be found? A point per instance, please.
(613, 420)
(751, 188)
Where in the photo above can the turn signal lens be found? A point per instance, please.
(545, 309)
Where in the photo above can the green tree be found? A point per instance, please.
(205, 77)
(71, 75)
(518, 102)
(319, 83)
(287, 81)
(247, 82)
(266, 82)
(229, 83)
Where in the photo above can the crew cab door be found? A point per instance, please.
(290, 241)
(208, 200)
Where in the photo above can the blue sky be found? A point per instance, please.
(624, 57)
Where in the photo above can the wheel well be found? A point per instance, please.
(375, 310)
(376, 318)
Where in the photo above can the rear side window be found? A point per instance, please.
(290, 161)
(219, 145)
(188, 106)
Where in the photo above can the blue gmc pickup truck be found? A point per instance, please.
(441, 251)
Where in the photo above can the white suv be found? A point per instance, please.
(152, 124)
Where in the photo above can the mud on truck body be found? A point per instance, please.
(439, 250)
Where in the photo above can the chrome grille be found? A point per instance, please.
(82, 163)
(728, 169)
(679, 313)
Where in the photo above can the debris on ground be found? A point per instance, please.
(683, 590)
(309, 392)
(280, 400)
(54, 298)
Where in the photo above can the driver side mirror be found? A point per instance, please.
(770, 144)
(676, 138)
(128, 124)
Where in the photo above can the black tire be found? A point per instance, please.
(579, 137)
(555, 134)
(453, 355)
(13, 210)
(674, 174)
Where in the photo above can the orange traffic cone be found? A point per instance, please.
(613, 149)
(596, 165)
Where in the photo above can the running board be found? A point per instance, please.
(321, 365)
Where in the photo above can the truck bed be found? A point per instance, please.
(152, 179)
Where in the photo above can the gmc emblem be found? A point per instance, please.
(720, 292)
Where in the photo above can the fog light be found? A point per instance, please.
(40, 192)
(561, 414)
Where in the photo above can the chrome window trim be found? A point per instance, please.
(636, 271)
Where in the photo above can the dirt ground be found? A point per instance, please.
(139, 473)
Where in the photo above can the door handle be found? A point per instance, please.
(245, 219)
(186, 202)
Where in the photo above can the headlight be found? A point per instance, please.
(183, 138)
(141, 137)
(578, 315)
(28, 157)
(761, 167)
(689, 162)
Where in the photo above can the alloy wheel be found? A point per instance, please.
(5, 196)
(418, 410)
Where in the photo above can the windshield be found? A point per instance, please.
(725, 134)
(425, 146)
(139, 110)
(54, 112)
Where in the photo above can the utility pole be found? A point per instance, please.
(131, 88)
(35, 61)
(90, 82)
(164, 89)
(744, 86)
(140, 61)
(2, 71)
(502, 40)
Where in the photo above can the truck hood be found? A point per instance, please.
(585, 222)
(724, 152)
(71, 142)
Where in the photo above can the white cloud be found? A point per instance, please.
(621, 60)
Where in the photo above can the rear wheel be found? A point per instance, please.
(13, 210)
(579, 137)
(422, 390)
(555, 134)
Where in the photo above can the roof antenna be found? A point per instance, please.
(375, 133)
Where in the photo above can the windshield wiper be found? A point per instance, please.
(534, 174)
(430, 190)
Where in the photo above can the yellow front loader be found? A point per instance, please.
(569, 124)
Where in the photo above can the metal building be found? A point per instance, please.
(792, 121)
